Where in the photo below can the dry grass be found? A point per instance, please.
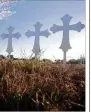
(62, 87)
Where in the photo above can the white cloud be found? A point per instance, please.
(5, 8)
(5, 14)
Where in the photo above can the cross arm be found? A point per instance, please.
(29, 33)
(4, 36)
(77, 27)
(56, 28)
(45, 33)
(16, 35)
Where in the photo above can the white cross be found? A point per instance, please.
(10, 36)
(37, 33)
(66, 28)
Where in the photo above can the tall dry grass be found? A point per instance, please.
(61, 87)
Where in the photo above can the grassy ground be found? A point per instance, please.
(41, 85)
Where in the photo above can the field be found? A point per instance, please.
(41, 85)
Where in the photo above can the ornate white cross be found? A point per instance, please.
(65, 46)
(37, 34)
(10, 36)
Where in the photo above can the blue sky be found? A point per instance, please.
(47, 13)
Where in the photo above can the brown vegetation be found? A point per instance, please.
(56, 86)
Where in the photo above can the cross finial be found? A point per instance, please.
(38, 25)
(66, 17)
(10, 29)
